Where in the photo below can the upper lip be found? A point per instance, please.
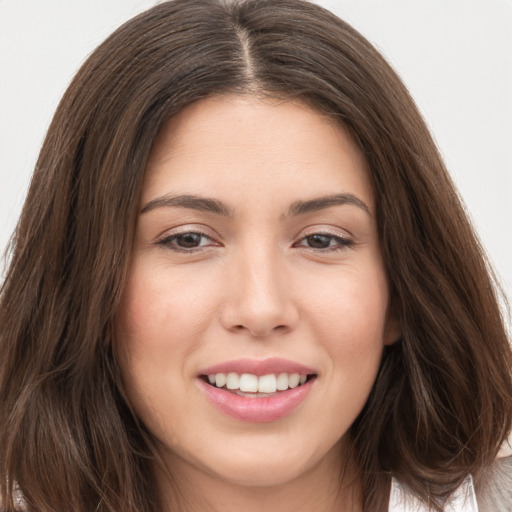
(259, 367)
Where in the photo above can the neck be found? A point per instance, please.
(332, 485)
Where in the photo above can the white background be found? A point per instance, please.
(454, 55)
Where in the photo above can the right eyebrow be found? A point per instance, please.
(319, 203)
(205, 204)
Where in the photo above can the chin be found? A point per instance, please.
(264, 473)
(266, 463)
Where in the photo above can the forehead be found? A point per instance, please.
(255, 147)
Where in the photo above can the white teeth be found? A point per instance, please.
(220, 380)
(232, 381)
(282, 382)
(267, 384)
(293, 380)
(249, 383)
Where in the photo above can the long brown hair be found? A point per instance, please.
(442, 402)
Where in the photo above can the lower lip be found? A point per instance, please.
(256, 409)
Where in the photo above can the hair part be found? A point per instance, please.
(441, 404)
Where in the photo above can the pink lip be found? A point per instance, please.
(254, 409)
(259, 367)
(257, 409)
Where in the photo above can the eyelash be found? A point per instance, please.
(168, 240)
(341, 242)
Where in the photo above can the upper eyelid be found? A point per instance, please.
(189, 228)
(343, 241)
(168, 236)
(209, 233)
(323, 230)
(166, 241)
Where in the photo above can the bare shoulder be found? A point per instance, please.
(495, 491)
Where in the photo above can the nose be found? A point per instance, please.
(259, 300)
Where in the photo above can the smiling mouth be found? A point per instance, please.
(254, 386)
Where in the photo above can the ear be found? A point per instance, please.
(392, 329)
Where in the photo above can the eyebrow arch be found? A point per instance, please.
(193, 202)
(319, 203)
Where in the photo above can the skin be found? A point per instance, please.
(254, 287)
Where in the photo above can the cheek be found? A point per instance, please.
(350, 324)
(159, 324)
(161, 309)
(353, 310)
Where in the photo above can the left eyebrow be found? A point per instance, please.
(205, 204)
(319, 203)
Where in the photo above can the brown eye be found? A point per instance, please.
(188, 240)
(319, 241)
(184, 242)
(324, 241)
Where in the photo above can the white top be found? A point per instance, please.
(463, 500)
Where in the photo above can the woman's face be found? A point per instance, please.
(256, 256)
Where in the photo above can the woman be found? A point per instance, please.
(243, 280)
